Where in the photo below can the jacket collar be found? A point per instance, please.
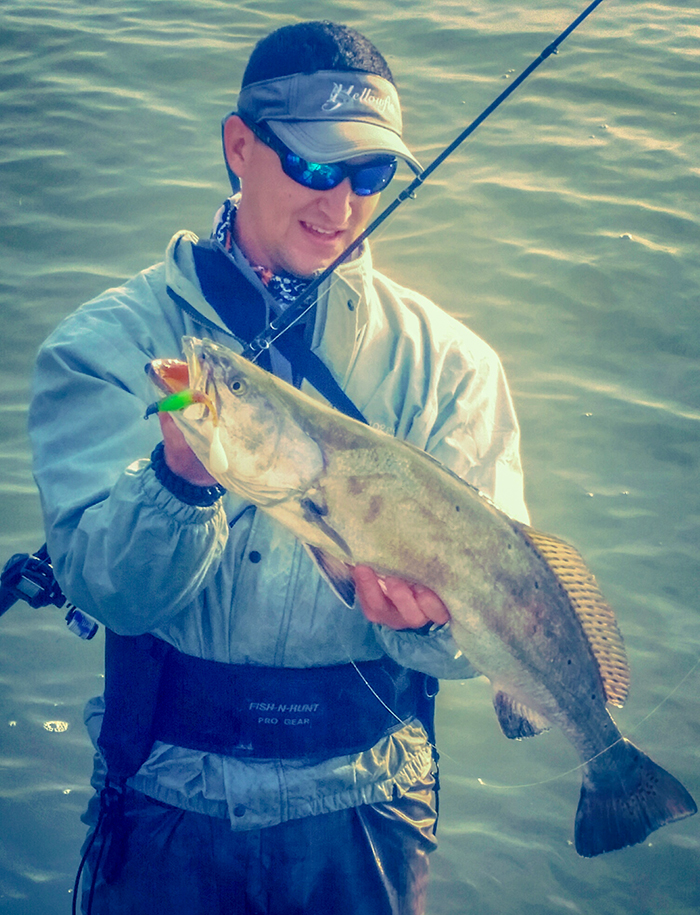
(343, 305)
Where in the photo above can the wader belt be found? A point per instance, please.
(154, 692)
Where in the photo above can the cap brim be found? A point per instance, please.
(337, 141)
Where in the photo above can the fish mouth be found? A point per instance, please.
(169, 375)
(174, 375)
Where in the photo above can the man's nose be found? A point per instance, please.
(336, 203)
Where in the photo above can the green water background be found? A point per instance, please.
(565, 232)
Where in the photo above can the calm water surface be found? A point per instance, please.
(566, 232)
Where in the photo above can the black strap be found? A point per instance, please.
(242, 309)
(317, 373)
(133, 670)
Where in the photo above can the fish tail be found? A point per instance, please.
(624, 797)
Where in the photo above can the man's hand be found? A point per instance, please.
(395, 603)
(179, 457)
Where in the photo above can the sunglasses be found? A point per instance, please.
(365, 180)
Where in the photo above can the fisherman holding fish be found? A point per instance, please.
(261, 745)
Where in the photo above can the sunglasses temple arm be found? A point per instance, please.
(300, 305)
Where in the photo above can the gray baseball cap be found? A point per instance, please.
(330, 115)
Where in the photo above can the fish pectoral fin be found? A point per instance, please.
(314, 504)
(517, 720)
(337, 573)
(315, 511)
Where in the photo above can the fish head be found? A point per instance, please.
(241, 427)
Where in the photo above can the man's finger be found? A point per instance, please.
(401, 596)
(373, 601)
(431, 605)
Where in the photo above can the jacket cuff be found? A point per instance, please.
(433, 652)
(182, 489)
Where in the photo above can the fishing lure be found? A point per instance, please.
(180, 400)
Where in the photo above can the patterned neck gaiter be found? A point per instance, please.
(284, 287)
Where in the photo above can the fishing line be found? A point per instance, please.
(362, 677)
(669, 696)
(545, 781)
(398, 718)
(582, 765)
(303, 302)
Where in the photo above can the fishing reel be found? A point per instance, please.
(30, 577)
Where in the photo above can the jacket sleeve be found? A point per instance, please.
(475, 431)
(123, 548)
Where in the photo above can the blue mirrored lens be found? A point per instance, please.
(364, 180)
(313, 174)
(371, 179)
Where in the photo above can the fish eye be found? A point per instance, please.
(237, 386)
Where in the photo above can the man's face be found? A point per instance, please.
(281, 224)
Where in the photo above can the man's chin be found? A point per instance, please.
(308, 268)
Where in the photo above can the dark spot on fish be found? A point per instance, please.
(356, 486)
(375, 506)
(254, 556)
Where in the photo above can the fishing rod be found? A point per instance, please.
(303, 302)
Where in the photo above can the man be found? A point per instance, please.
(266, 746)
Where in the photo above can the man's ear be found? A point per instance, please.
(238, 143)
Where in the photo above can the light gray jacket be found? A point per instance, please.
(132, 555)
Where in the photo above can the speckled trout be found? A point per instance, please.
(524, 608)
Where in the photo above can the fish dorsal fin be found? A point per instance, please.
(594, 613)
